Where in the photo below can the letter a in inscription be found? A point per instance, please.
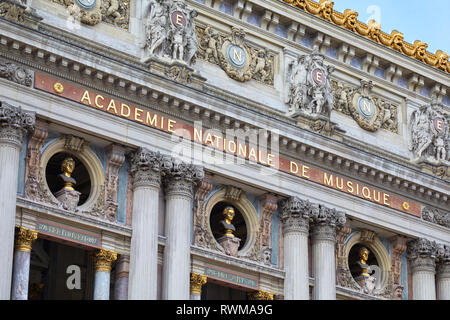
(74, 280)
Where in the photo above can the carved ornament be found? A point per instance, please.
(240, 60)
(370, 112)
(372, 30)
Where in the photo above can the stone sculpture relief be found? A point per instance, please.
(429, 135)
(169, 31)
(115, 12)
(16, 73)
(239, 60)
(309, 90)
(370, 112)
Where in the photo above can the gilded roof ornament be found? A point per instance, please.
(372, 30)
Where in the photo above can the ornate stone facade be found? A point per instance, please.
(435, 215)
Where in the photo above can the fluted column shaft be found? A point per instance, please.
(13, 126)
(103, 260)
(422, 256)
(443, 281)
(121, 280)
(177, 251)
(325, 223)
(323, 262)
(145, 168)
(179, 182)
(295, 225)
(21, 270)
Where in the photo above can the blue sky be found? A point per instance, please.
(428, 21)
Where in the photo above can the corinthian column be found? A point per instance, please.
(443, 274)
(103, 261)
(179, 181)
(325, 223)
(145, 169)
(295, 214)
(21, 271)
(14, 124)
(197, 282)
(422, 255)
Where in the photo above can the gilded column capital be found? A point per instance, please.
(14, 124)
(295, 214)
(24, 239)
(103, 259)
(260, 295)
(422, 254)
(197, 282)
(145, 168)
(179, 178)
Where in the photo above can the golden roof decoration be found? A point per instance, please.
(372, 30)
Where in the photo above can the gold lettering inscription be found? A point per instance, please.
(98, 105)
(86, 97)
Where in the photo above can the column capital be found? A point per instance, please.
(422, 253)
(179, 178)
(295, 214)
(443, 261)
(260, 295)
(14, 124)
(197, 282)
(24, 239)
(103, 259)
(325, 222)
(145, 167)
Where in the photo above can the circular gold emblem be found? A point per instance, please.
(405, 206)
(58, 87)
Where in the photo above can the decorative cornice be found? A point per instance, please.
(24, 239)
(103, 259)
(324, 9)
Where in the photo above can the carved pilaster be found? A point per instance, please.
(103, 260)
(200, 223)
(342, 272)
(295, 214)
(398, 245)
(24, 239)
(260, 295)
(32, 185)
(14, 124)
(116, 157)
(269, 204)
(197, 282)
(145, 168)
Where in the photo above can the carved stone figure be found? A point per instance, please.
(309, 89)
(429, 134)
(169, 31)
(370, 112)
(235, 56)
